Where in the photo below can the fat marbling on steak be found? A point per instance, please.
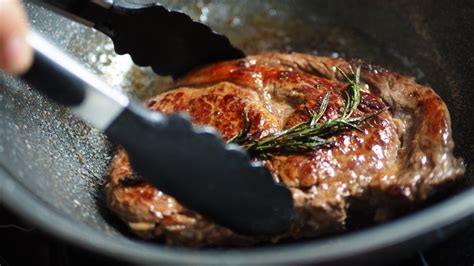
(400, 158)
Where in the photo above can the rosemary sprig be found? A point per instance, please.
(353, 97)
(309, 135)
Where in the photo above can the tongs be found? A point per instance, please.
(193, 164)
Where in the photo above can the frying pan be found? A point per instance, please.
(52, 166)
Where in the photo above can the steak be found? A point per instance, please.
(395, 161)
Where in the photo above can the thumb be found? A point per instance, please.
(15, 53)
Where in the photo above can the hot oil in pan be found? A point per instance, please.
(119, 71)
(272, 28)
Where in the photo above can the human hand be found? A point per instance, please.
(15, 53)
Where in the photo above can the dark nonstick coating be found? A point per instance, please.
(52, 165)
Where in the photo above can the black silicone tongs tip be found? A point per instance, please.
(168, 41)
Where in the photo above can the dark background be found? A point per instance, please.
(22, 244)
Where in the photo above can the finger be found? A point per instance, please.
(15, 53)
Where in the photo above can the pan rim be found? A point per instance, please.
(453, 211)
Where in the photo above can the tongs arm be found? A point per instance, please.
(192, 164)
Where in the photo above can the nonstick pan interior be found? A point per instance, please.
(53, 165)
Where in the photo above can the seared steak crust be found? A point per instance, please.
(401, 156)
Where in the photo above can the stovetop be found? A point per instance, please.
(23, 244)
